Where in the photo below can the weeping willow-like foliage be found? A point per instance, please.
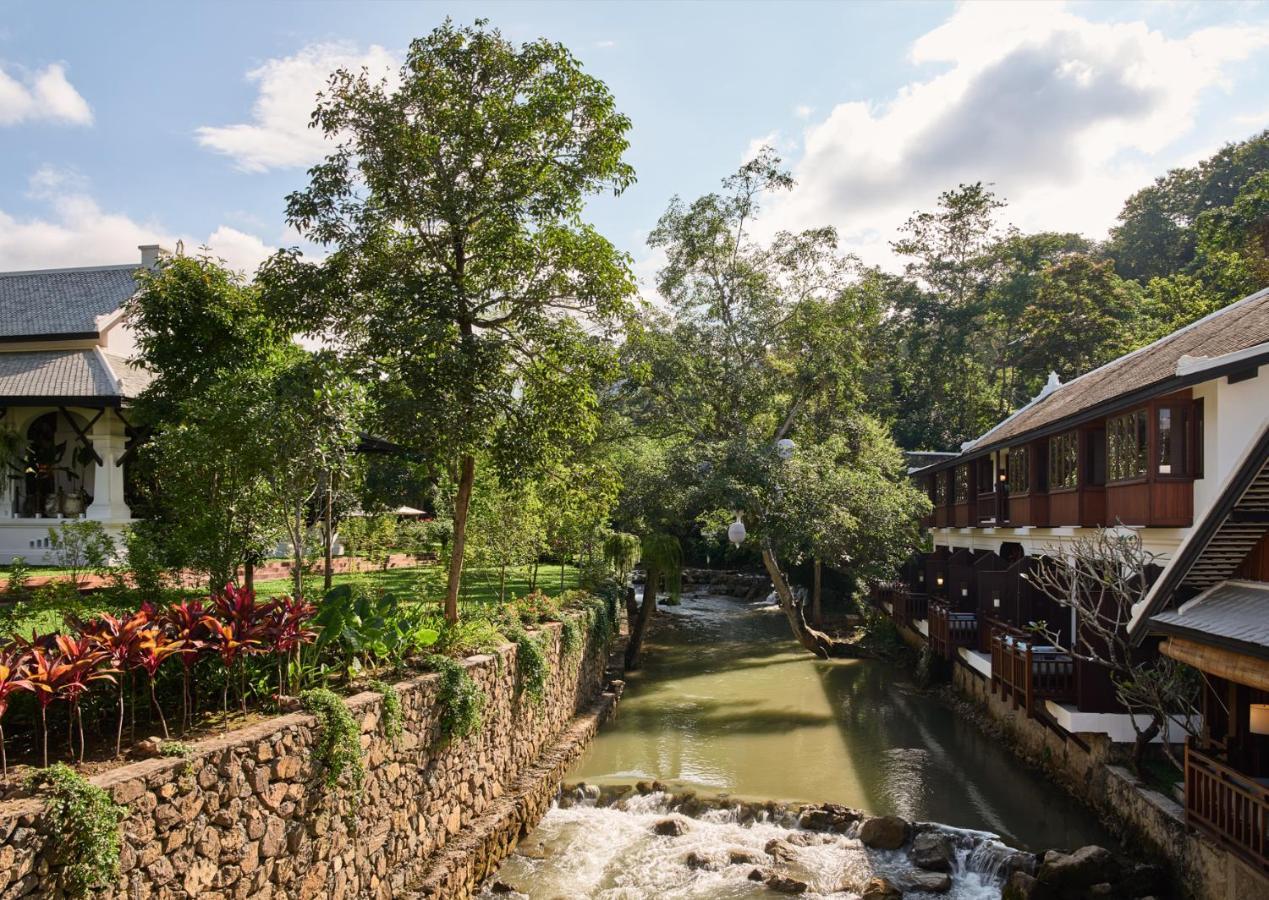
(663, 560)
(622, 552)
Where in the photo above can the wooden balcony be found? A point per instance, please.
(961, 517)
(1230, 806)
(1157, 503)
(1027, 673)
(1084, 507)
(905, 605)
(950, 629)
(988, 509)
(1029, 509)
(942, 516)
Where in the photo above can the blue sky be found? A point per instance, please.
(125, 123)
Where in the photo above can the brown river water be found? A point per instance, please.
(727, 703)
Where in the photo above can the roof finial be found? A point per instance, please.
(1050, 386)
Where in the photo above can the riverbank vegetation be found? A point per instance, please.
(489, 390)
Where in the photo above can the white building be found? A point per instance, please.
(65, 386)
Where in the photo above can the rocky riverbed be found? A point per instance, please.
(638, 841)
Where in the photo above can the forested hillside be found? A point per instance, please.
(983, 312)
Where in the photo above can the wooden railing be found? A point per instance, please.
(905, 605)
(1232, 807)
(1024, 673)
(949, 629)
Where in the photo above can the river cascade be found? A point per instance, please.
(677, 798)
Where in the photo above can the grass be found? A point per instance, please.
(427, 583)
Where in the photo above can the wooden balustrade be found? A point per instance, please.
(950, 629)
(1025, 674)
(1231, 806)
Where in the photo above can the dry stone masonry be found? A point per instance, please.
(248, 815)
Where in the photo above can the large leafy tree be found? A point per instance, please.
(763, 342)
(460, 273)
(204, 334)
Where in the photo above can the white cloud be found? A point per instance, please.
(41, 95)
(802, 111)
(74, 230)
(278, 135)
(1063, 115)
(605, 45)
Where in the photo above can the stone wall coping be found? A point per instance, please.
(248, 735)
(1165, 804)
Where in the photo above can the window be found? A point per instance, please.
(962, 484)
(1064, 461)
(1127, 446)
(1019, 468)
(986, 475)
(1172, 424)
(940, 489)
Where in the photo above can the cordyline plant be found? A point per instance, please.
(154, 648)
(187, 621)
(13, 667)
(120, 639)
(288, 629)
(238, 632)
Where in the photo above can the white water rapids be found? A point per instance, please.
(614, 854)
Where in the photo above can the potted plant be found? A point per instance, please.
(75, 501)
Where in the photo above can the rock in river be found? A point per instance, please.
(1084, 868)
(670, 827)
(884, 832)
(881, 889)
(933, 851)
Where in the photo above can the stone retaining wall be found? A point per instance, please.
(1146, 819)
(248, 814)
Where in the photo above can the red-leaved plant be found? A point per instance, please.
(13, 667)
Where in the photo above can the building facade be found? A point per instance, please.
(1170, 443)
(66, 381)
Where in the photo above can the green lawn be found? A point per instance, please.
(427, 583)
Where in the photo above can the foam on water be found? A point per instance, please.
(612, 853)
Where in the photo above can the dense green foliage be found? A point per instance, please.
(393, 717)
(84, 824)
(983, 312)
(461, 700)
(339, 740)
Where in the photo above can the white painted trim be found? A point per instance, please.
(922, 626)
(979, 662)
(1116, 726)
(1188, 365)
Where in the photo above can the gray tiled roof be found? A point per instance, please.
(1236, 327)
(1232, 612)
(59, 373)
(61, 301)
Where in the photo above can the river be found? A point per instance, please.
(727, 703)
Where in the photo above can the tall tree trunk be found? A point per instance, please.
(461, 502)
(249, 573)
(817, 609)
(815, 641)
(502, 584)
(328, 526)
(639, 627)
(297, 538)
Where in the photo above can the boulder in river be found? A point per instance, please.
(1022, 886)
(1084, 868)
(881, 889)
(672, 827)
(697, 860)
(785, 884)
(781, 850)
(739, 856)
(933, 851)
(829, 817)
(884, 832)
(929, 882)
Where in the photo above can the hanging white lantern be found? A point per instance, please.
(736, 531)
(785, 448)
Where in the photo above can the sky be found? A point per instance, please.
(134, 123)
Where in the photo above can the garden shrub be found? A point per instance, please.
(339, 745)
(393, 717)
(84, 824)
(461, 700)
